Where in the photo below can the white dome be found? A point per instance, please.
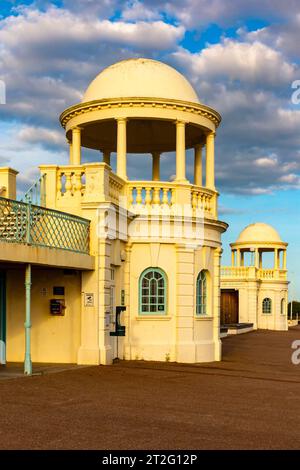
(140, 78)
(259, 232)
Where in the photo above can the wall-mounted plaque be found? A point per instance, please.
(88, 300)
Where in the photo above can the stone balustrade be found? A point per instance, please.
(245, 272)
(152, 194)
(96, 182)
(148, 193)
(235, 272)
(70, 181)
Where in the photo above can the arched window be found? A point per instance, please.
(201, 293)
(267, 305)
(153, 292)
(282, 307)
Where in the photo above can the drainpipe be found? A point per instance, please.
(27, 324)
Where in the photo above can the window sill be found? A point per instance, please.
(153, 317)
(203, 317)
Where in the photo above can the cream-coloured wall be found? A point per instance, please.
(251, 294)
(275, 320)
(180, 335)
(151, 337)
(203, 326)
(53, 338)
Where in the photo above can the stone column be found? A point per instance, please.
(276, 253)
(180, 152)
(8, 187)
(260, 260)
(216, 304)
(256, 263)
(210, 161)
(232, 257)
(106, 157)
(50, 184)
(198, 165)
(242, 258)
(238, 257)
(284, 259)
(121, 148)
(76, 146)
(70, 151)
(155, 166)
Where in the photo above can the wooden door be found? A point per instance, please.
(229, 306)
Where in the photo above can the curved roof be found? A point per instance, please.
(259, 232)
(143, 78)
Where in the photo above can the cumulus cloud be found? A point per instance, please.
(35, 135)
(199, 13)
(49, 55)
(136, 10)
(250, 63)
(249, 83)
(279, 36)
(47, 58)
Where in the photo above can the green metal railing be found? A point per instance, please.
(21, 222)
(36, 194)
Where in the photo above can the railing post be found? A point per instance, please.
(28, 224)
(43, 191)
(27, 324)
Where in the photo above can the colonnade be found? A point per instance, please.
(75, 155)
(238, 257)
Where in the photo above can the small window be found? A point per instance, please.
(282, 307)
(201, 293)
(267, 305)
(153, 292)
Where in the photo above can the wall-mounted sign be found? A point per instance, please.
(88, 300)
(58, 290)
(57, 307)
(122, 297)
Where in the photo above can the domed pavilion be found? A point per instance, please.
(146, 281)
(255, 286)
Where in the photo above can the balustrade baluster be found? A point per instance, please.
(68, 185)
(156, 196)
(165, 198)
(59, 183)
(138, 195)
(77, 183)
(194, 200)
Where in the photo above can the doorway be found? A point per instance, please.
(229, 306)
(2, 318)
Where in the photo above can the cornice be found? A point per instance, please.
(195, 108)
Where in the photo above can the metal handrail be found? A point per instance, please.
(30, 224)
(36, 194)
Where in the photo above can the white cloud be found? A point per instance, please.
(136, 10)
(198, 13)
(266, 162)
(251, 63)
(279, 36)
(35, 135)
(48, 58)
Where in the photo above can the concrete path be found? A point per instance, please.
(251, 400)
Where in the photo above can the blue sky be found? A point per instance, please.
(241, 57)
